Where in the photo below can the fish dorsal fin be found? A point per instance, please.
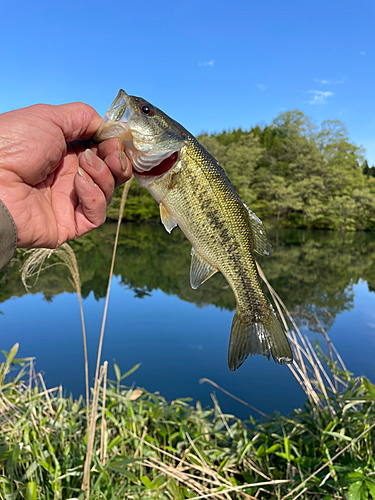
(168, 221)
(200, 270)
(262, 244)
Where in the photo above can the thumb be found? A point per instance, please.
(77, 120)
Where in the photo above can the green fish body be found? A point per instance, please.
(194, 193)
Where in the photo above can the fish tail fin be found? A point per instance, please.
(265, 336)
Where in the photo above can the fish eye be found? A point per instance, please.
(147, 109)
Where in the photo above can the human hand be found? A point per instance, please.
(53, 186)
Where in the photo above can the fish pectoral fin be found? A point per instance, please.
(262, 244)
(168, 221)
(200, 270)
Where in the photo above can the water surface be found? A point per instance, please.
(180, 335)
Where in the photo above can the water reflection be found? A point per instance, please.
(153, 319)
(311, 270)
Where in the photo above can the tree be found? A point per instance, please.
(299, 173)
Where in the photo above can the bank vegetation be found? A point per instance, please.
(292, 171)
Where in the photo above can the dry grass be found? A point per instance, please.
(94, 409)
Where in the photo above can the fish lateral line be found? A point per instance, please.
(160, 169)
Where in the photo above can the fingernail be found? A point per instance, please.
(119, 145)
(94, 164)
(88, 157)
(82, 173)
(122, 161)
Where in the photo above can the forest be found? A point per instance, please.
(292, 172)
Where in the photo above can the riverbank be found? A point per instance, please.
(148, 447)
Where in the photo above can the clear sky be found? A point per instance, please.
(210, 64)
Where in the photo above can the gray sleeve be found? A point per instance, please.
(8, 236)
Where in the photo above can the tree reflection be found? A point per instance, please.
(311, 270)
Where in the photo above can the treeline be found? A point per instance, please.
(300, 174)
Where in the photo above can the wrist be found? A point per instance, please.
(8, 236)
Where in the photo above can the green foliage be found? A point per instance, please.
(366, 170)
(361, 484)
(239, 158)
(301, 174)
(171, 450)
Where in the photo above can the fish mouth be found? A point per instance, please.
(115, 123)
(140, 147)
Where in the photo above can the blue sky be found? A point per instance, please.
(211, 65)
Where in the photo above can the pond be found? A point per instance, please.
(180, 335)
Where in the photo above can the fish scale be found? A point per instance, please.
(215, 228)
(194, 193)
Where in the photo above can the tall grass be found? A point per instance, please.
(138, 445)
(147, 447)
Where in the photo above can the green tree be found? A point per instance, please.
(300, 174)
(304, 175)
(240, 159)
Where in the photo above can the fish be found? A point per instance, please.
(194, 192)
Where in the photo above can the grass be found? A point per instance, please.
(146, 447)
(124, 442)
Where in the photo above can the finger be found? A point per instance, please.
(91, 209)
(112, 152)
(105, 148)
(99, 172)
(77, 120)
(120, 166)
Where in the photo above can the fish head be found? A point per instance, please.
(150, 136)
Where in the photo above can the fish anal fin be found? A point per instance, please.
(168, 221)
(262, 243)
(264, 336)
(200, 270)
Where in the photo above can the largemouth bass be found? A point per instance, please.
(194, 193)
